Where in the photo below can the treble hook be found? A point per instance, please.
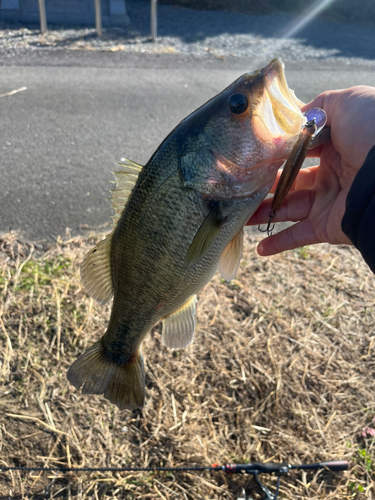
(268, 229)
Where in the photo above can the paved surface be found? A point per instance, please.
(221, 34)
(85, 110)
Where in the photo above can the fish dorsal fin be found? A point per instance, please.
(125, 180)
(96, 271)
(96, 268)
(205, 236)
(231, 256)
(178, 328)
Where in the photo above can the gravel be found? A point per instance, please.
(205, 34)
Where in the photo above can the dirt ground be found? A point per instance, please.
(281, 369)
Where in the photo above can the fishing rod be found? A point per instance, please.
(254, 468)
(280, 469)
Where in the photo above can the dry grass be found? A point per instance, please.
(282, 368)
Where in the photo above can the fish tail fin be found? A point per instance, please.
(98, 371)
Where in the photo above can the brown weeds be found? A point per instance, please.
(282, 368)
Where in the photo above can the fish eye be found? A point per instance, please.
(238, 103)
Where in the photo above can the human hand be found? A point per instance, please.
(317, 198)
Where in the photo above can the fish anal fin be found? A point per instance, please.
(205, 236)
(96, 271)
(231, 256)
(179, 327)
(122, 383)
(125, 180)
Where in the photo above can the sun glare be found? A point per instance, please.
(306, 16)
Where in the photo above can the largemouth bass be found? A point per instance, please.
(178, 220)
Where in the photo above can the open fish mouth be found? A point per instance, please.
(278, 114)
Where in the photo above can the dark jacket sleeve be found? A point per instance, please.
(358, 222)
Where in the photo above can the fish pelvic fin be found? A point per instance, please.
(179, 327)
(97, 371)
(231, 256)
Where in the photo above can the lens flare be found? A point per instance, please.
(307, 16)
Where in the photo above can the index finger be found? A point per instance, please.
(305, 179)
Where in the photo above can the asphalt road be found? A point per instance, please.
(83, 112)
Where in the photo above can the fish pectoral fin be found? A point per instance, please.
(231, 256)
(125, 180)
(205, 236)
(96, 271)
(122, 383)
(179, 327)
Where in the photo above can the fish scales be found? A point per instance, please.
(165, 218)
(178, 220)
